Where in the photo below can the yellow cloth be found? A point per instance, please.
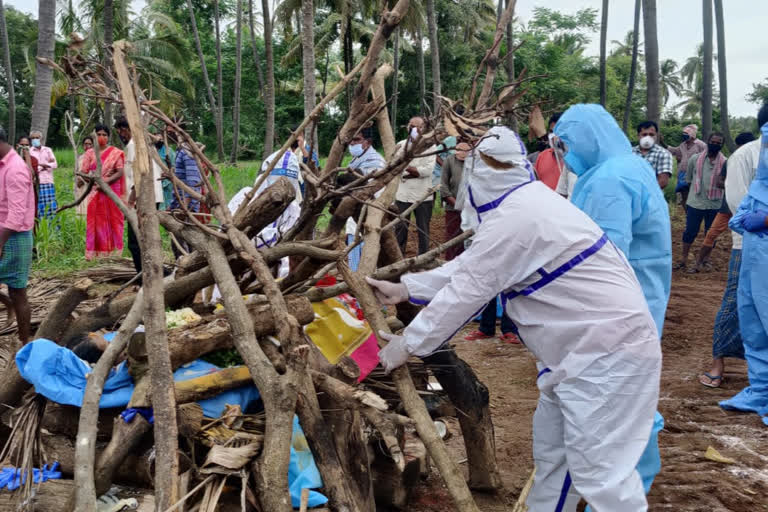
(335, 330)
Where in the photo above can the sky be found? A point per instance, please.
(679, 28)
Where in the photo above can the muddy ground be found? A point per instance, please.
(688, 482)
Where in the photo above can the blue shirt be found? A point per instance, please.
(187, 171)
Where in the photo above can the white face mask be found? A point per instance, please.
(414, 133)
(356, 149)
(647, 142)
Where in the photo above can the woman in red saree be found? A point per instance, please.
(104, 221)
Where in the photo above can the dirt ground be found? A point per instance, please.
(688, 482)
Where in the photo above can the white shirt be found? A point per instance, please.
(566, 182)
(742, 166)
(157, 172)
(414, 189)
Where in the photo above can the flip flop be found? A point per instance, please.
(714, 378)
(477, 335)
(510, 338)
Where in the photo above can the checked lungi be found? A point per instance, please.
(46, 201)
(726, 337)
(16, 260)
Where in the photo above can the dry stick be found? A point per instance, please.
(85, 448)
(390, 271)
(492, 60)
(160, 373)
(310, 118)
(414, 405)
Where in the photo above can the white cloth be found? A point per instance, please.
(566, 182)
(287, 167)
(742, 166)
(366, 163)
(589, 327)
(413, 189)
(157, 172)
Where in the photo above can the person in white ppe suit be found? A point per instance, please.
(577, 306)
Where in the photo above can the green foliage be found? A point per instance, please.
(759, 94)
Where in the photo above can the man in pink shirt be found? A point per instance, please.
(46, 163)
(17, 218)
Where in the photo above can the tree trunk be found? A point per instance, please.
(109, 37)
(723, 76)
(203, 67)
(510, 61)
(707, 71)
(219, 88)
(435, 54)
(46, 40)
(653, 98)
(160, 371)
(8, 76)
(238, 76)
(269, 89)
(396, 68)
(603, 44)
(308, 60)
(348, 60)
(256, 58)
(633, 68)
(422, 75)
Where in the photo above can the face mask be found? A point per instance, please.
(36, 143)
(23, 147)
(647, 142)
(356, 150)
(414, 133)
(686, 137)
(714, 148)
(102, 140)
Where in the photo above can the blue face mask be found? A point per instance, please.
(356, 149)
(35, 143)
(575, 164)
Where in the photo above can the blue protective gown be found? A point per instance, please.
(752, 298)
(619, 191)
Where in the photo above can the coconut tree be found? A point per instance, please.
(723, 75)
(635, 36)
(8, 75)
(603, 49)
(308, 56)
(669, 80)
(219, 84)
(396, 68)
(238, 75)
(204, 69)
(706, 74)
(653, 96)
(256, 58)
(269, 88)
(434, 52)
(626, 46)
(46, 41)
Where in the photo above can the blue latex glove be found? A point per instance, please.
(146, 413)
(755, 221)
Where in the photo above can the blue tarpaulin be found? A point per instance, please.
(60, 376)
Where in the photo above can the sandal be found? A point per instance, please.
(476, 336)
(715, 381)
(679, 266)
(509, 337)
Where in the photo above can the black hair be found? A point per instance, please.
(762, 116)
(101, 128)
(84, 348)
(87, 137)
(744, 138)
(122, 122)
(3, 135)
(555, 118)
(18, 139)
(647, 124)
(715, 134)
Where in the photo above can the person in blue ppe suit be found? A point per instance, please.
(618, 190)
(751, 220)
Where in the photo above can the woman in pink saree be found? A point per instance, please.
(104, 221)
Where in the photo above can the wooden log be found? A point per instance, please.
(393, 488)
(63, 419)
(50, 495)
(212, 384)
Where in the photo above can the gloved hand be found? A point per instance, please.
(388, 293)
(755, 221)
(395, 354)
